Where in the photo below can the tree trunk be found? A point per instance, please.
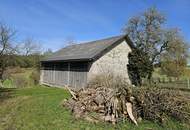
(152, 69)
(1, 74)
(149, 77)
(2, 69)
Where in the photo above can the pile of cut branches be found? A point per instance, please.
(119, 102)
(109, 104)
(156, 104)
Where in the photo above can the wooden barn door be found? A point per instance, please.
(78, 74)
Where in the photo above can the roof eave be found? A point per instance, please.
(68, 60)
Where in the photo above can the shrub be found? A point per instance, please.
(108, 80)
(20, 82)
(8, 83)
(14, 70)
(6, 75)
(35, 77)
(11, 70)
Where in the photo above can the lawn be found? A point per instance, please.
(39, 108)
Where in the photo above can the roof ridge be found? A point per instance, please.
(89, 42)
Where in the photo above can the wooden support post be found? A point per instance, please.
(54, 73)
(41, 76)
(68, 78)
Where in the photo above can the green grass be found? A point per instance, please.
(39, 108)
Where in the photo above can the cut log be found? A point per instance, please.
(130, 112)
(71, 92)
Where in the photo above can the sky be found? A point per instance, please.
(50, 22)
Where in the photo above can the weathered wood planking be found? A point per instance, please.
(78, 78)
(61, 74)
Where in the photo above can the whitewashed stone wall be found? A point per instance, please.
(114, 62)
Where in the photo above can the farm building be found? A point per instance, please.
(76, 65)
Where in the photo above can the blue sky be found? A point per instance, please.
(50, 22)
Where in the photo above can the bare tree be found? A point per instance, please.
(30, 47)
(48, 52)
(7, 47)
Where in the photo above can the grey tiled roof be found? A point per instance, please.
(84, 51)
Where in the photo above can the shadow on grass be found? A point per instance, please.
(6, 93)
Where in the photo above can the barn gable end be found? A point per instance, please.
(113, 62)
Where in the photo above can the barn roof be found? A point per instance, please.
(87, 51)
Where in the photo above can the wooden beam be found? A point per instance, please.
(68, 78)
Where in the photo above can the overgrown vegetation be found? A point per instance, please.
(113, 100)
(21, 77)
(159, 105)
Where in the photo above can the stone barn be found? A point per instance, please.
(76, 65)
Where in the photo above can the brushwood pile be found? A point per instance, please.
(117, 101)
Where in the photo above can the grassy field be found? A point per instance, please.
(162, 80)
(39, 108)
